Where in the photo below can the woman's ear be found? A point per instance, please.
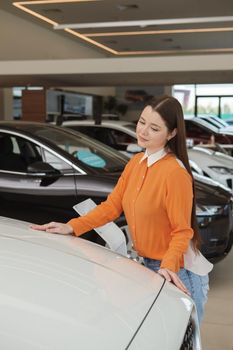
(172, 134)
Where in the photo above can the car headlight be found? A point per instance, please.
(221, 170)
(209, 210)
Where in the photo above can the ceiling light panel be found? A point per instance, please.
(142, 34)
(160, 42)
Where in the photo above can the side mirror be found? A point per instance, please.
(42, 167)
(134, 148)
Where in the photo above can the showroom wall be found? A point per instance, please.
(6, 104)
(40, 44)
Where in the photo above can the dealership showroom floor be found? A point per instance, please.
(217, 327)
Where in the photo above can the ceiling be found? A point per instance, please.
(132, 28)
(137, 27)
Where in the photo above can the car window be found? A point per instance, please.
(55, 161)
(17, 153)
(195, 129)
(90, 131)
(90, 153)
(112, 137)
(99, 133)
(123, 138)
(106, 136)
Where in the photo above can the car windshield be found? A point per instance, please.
(92, 154)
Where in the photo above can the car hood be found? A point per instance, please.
(210, 193)
(65, 291)
(212, 159)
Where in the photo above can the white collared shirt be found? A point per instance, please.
(154, 157)
(194, 262)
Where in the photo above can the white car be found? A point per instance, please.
(62, 292)
(216, 165)
(120, 135)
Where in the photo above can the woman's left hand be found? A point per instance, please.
(172, 277)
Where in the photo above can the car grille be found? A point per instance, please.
(188, 341)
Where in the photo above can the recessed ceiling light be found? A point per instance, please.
(127, 7)
(144, 23)
(167, 40)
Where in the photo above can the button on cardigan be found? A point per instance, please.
(157, 203)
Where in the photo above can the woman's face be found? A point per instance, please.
(152, 132)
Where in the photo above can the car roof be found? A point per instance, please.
(75, 291)
(124, 126)
(103, 122)
(210, 125)
(202, 122)
(210, 157)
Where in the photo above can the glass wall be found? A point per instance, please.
(209, 99)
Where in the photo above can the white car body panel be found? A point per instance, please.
(62, 292)
(127, 128)
(116, 124)
(206, 158)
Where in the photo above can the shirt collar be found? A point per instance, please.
(154, 157)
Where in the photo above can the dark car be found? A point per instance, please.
(214, 216)
(45, 170)
(204, 132)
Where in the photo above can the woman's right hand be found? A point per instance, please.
(172, 277)
(54, 227)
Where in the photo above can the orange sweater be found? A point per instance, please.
(157, 203)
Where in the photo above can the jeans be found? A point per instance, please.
(197, 285)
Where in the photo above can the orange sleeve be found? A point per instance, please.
(106, 211)
(179, 201)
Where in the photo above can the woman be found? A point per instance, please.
(156, 193)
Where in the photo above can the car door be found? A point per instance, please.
(36, 196)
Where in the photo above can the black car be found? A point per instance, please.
(45, 170)
(214, 216)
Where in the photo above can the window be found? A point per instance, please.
(91, 154)
(55, 161)
(17, 153)
(206, 99)
(122, 139)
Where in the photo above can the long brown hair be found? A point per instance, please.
(171, 112)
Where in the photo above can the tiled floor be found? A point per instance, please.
(217, 327)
